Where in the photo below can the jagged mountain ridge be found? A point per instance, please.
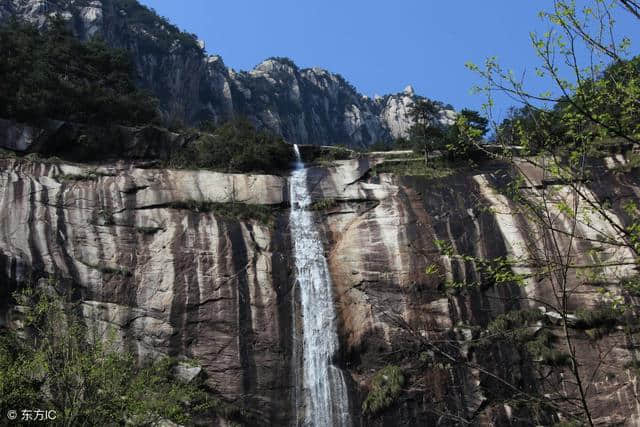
(307, 106)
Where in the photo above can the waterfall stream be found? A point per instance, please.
(324, 393)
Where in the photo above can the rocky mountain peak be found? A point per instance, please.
(309, 106)
(276, 65)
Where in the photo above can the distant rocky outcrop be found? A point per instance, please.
(307, 106)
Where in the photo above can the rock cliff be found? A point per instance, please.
(148, 256)
(381, 239)
(303, 105)
(198, 264)
(155, 254)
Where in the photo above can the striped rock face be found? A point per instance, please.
(146, 258)
(151, 254)
(384, 237)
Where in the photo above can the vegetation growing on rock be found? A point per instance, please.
(437, 168)
(385, 388)
(598, 115)
(161, 35)
(233, 210)
(526, 330)
(62, 364)
(326, 156)
(50, 74)
(323, 204)
(235, 147)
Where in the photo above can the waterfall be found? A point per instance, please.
(323, 387)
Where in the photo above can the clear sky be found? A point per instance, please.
(380, 46)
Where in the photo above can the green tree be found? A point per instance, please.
(60, 363)
(606, 106)
(425, 133)
(530, 129)
(235, 146)
(463, 139)
(53, 75)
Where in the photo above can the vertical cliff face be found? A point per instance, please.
(303, 105)
(148, 254)
(381, 234)
(147, 258)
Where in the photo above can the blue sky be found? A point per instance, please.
(378, 45)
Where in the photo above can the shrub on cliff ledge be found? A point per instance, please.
(235, 147)
(385, 389)
(159, 35)
(240, 211)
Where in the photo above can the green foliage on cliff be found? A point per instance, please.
(239, 211)
(323, 204)
(463, 139)
(599, 115)
(284, 60)
(52, 75)
(235, 147)
(424, 134)
(328, 155)
(65, 366)
(460, 141)
(437, 168)
(527, 331)
(385, 389)
(598, 321)
(515, 323)
(612, 99)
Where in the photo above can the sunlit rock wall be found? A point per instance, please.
(168, 279)
(145, 259)
(394, 305)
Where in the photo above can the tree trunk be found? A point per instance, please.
(426, 155)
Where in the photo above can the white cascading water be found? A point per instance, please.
(324, 391)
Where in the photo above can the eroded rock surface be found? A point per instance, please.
(390, 282)
(170, 278)
(146, 257)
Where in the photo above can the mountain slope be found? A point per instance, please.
(308, 106)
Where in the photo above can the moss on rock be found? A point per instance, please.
(385, 389)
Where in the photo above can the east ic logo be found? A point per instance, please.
(32, 415)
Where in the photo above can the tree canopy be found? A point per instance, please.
(425, 133)
(235, 146)
(51, 74)
(61, 363)
(598, 110)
